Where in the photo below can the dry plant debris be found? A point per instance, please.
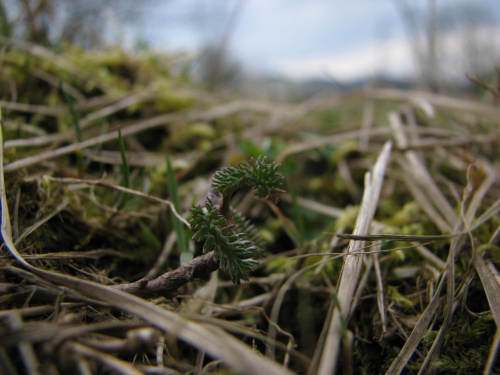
(381, 257)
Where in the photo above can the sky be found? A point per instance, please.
(344, 40)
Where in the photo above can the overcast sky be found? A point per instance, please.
(310, 39)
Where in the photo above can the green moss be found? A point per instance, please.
(348, 218)
(170, 103)
(397, 298)
(280, 265)
(345, 150)
(492, 251)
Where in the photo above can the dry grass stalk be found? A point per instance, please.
(417, 333)
(37, 50)
(434, 99)
(213, 341)
(205, 314)
(141, 126)
(68, 180)
(422, 179)
(492, 288)
(493, 354)
(352, 266)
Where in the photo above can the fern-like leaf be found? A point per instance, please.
(233, 251)
(227, 233)
(244, 226)
(263, 177)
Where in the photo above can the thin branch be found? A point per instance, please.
(68, 180)
(151, 123)
(168, 283)
(485, 86)
(435, 99)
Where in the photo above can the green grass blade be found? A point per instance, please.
(125, 169)
(1, 127)
(174, 198)
(299, 217)
(76, 124)
(149, 237)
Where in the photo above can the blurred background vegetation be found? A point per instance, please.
(434, 42)
(74, 73)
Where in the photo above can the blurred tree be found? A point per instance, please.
(86, 23)
(421, 37)
(450, 41)
(94, 24)
(216, 23)
(475, 46)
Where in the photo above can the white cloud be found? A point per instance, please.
(319, 38)
(392, 57)
(471, 50)
(459, 51)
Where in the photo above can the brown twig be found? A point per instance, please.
(484, 85)
(169, 282)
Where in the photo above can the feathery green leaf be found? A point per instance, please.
(232, 251)
(263, 177)
(244, 226)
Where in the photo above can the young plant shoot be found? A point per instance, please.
(234, 240)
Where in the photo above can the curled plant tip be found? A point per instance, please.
(263, 177)
(215, 198)
(227, 233)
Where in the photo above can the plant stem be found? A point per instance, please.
(168, 283)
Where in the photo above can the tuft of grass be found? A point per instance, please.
(76, 123)
(180, 231)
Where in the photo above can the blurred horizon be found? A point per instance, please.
(427, 42)
(343, 41)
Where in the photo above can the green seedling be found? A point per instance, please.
(234, 240)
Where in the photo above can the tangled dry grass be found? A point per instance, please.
(413, 176)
